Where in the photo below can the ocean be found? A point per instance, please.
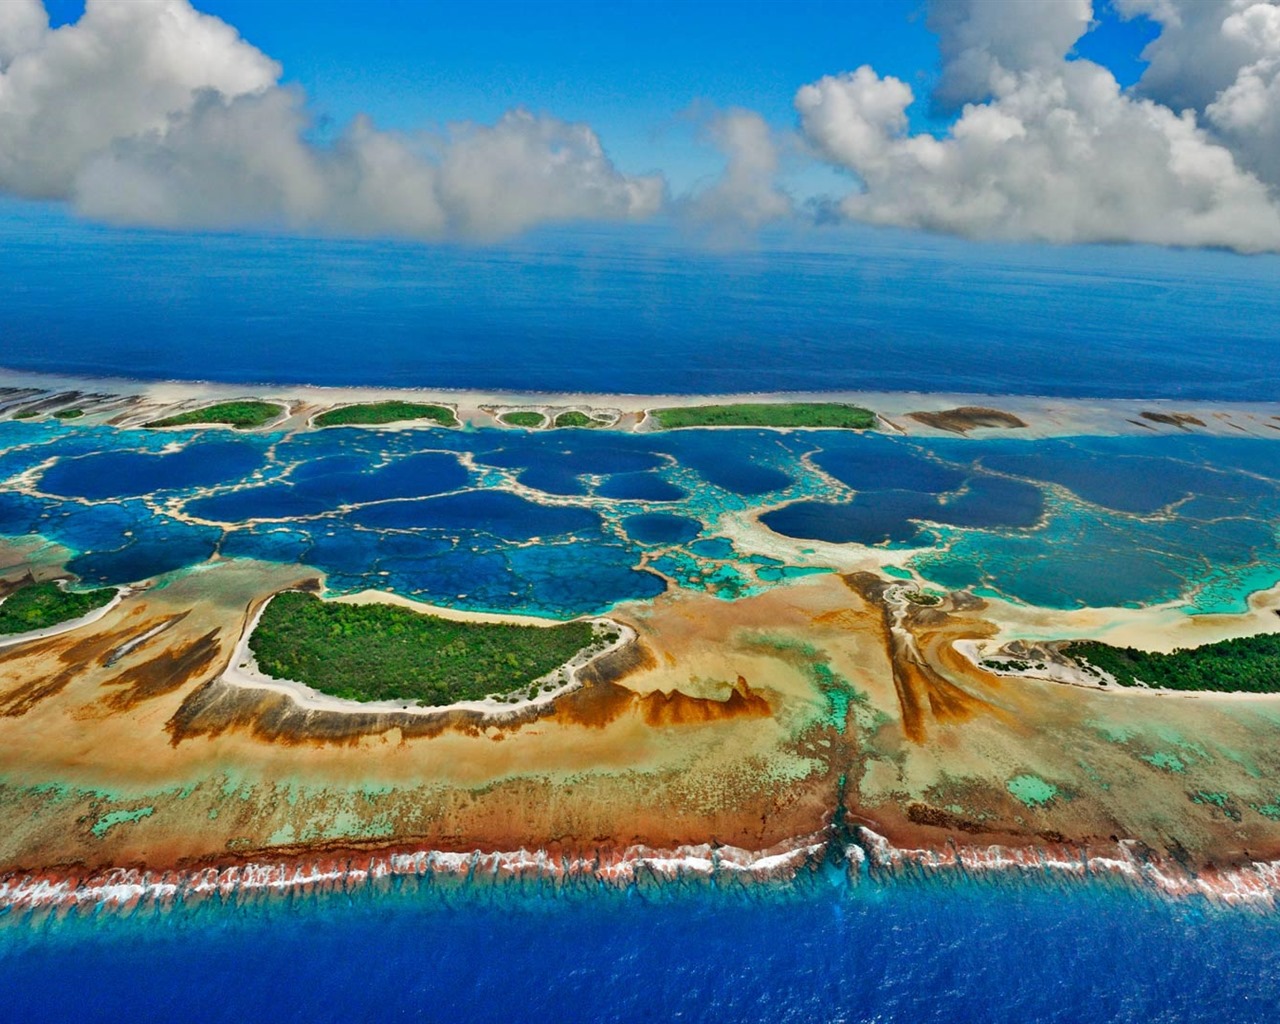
(639, 311)
(650, 313)
(911, 951)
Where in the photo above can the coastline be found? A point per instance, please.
(860, 857)
(11, 639)
(130, 402)
(738, 725)
(242, 670)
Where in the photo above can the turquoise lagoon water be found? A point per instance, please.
(571, 522)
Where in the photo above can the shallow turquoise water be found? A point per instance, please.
(571, 522)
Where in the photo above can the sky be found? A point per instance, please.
(1062, 121)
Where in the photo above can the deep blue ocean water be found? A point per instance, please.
(639, 311)
(916, 952)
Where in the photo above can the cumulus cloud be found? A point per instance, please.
(983, 39)
(153, 113)
(1220, 58)
(1192, 59)
(747, 194)
(1052, 148)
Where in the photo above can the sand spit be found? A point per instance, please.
(131, 403)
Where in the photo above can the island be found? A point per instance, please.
(813, 415)
(379, 652)
(243, 415)
(573, 418)
(378, 413)
(37, 606)
(525, 419)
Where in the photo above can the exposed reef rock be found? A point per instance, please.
(1181, 420)
(967, 418)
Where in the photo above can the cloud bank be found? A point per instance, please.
(151, 113)
(1051, 148)
(155, 114)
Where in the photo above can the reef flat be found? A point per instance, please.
(825, 651)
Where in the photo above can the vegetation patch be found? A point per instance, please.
(1271, 810)
(1248, 664)
(68, 414)
(26, 414)
(243, 415)
(371, 652)
(41, 605)
(574, 418)
(1222, 801)
(375, 413)
(751, 414)
(522, 419)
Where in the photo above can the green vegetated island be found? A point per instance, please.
(370, 652)
(752, 414)
(1248, 664)
(378, 413)
(573, 418)
(522, 419)
(243, 415)
(41, 605)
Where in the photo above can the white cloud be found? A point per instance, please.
(152, 113)
(23, 23)
(1220, 58)
(149, 112)
(981, 39)
(1057, 152)
(121, 70)
(747, 194)
(1192, 59)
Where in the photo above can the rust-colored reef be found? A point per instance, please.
(828, 704)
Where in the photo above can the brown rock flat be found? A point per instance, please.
(967, 418)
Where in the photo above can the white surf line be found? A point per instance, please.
(65, 627)
(243, 671)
